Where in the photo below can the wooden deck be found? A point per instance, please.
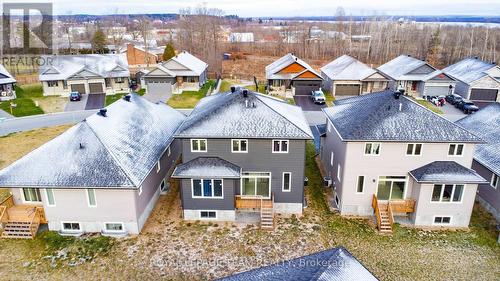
(20, 221)
(266, 207)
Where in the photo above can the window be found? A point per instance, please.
(256, 184)
(208, 214)
(331, 159)
(91, 198)
(119, 80)
(287, 184)
(239, 146)
(140, 190)
(442, 220)
(163, 186)
(338, 172)
(198, 145)
(158, 167)
(456, 149)
(113, 227)
(52, 83)
(494, 181)
(65, 84)
(71, 226)
(372, 148)
(447, 193)
(360, 185)
(206, 188)
(32, 195)
(414, 149)
(51, 201)
(391, 187)
(280, 146)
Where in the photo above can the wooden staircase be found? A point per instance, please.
(17, 230)
(20, 221)
(383, 213)
(267, 214)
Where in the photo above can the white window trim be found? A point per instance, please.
(205, 197)
(287, 147)
(493, 177)
(364, 182)
(88, 198)
(452, 194)
(47, 197)
(379, 149)
(455, 151)
(289, 181)
(331, 158)
(71, 230)
(113, 231)
(239, 146)
(441, 216)
(413, 150)
(28, 201)
(405, 188)
(191, 145)
(158, 167)
(339, 170)
(270, 184)
(140, 190)
(202, 218)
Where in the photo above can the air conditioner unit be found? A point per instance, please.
(327, 181)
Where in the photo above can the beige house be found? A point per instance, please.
(86, 74)
(383, 158)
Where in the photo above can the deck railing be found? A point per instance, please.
(8, 202)
(403, 206)
(377, 211)
(252, 202)
(35, 223)
(390, 215)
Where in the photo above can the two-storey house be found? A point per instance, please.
(242, 151)
(388, 154)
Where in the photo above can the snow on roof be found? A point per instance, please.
(207, 167)
(8, 79)
(62, 67)
(400, 66)
(469, 70)
(347, 68)
(376, 117)
(486, 124)
(284, 61)
(226, 115)
(325, 265)
(446, 172)
(195, 64)
(116, 151)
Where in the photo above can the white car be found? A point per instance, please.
(318, 97)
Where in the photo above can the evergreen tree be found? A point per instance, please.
(98, 42)
(169, 52)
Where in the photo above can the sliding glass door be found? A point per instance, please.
(391, 187)
(256, 184)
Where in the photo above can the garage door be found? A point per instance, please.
(78, 88)
(437, 90)
(483, 94)
(346, 90)
(158, 88)
(96, 88)
(305, 87)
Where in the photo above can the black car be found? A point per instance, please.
(75, 96)
(467, 106)
(453, 99)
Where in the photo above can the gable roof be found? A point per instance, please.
(486, 124)
(186, 59)
(446, 172)
(62, 67)
(401, 65)
(376, 117)
(116, 151)
(325, 265)
(347, 68)
(207, 167)
(286, 60)
(469, 70)
(8, 77)
(226, 115)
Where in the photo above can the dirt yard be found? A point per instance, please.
(171, 249)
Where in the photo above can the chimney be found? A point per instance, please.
(102, 112)
(233, 89)
(126, 98)
(81, 146)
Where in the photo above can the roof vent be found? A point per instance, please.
(408, 55)
(253, 104)
(102, 112)
(397, 94)
(245, 93)
(400, 106)
(81, 146)
(126, 98)
(233, 89)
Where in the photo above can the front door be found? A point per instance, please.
(391, 188)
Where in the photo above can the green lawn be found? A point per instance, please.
(329, 97)
(112, 98)
(262, 88)
(189, 99)
(25, 104)
(430, 106)
(225, 86)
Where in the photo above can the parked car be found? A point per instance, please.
(453, 99)
(467, 106)
(318, 97)
(75, 96)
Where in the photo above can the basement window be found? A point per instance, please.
(208, 215)
(71, 226)
(442, 220)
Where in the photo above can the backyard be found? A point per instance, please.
(171, 249)
(25, 103)
(189, 99)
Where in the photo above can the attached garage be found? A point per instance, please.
(158, 87)
(437, 90)
(347, 89)
(96, 88)
(78, 88)
(483, 94)
(303, 88)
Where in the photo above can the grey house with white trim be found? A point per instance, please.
(486, 124)
(417, 77)
(384, 158)
(242, 152)
(477, 80)
(104, 174)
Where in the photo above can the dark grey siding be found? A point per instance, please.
(486, 192)
(226, 203)
(261, 159)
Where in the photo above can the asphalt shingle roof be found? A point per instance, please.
(116, 151)
(347, 68)
(400, 66)
(335, 264)
(226, 115)
(284, 61)
(469, 70)
(8, 77)
(486, 124)
(446, 172)
(376, 117)
(207, 167)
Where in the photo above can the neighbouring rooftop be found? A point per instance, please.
(207, 167)
(446, 172)
(347, 68)
(5, 76)
(469, 70)
(273, 69)
(401, 65)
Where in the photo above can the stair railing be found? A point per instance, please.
(376, 210)
(35, 223)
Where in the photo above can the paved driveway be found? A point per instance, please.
(452, 113)
(307, 104)
(76, 105)
(95, 101)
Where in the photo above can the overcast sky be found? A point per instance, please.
(270, 8)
